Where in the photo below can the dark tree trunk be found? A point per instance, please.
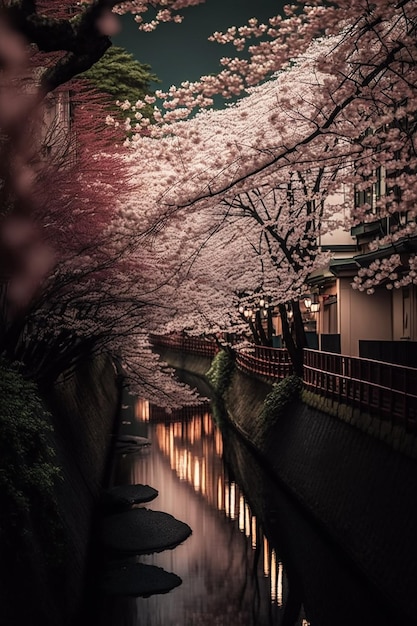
(295, 352)
(255, 333)
(264, 339)
(270, 327)
(300, 334)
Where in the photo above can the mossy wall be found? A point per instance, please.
(245, 397)
(183, 361)
(394, 434)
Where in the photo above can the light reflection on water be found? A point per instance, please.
(234, 572)
(230, 573)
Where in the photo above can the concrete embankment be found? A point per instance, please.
(354, 486)
(84, 409)
(318, 577)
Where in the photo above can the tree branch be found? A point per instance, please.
(78, 36)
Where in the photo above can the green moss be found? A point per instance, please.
(275, 406)
(28, 472)
(220, 372)
(282, 394)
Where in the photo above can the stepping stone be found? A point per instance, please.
(143, 531)
(132, 440)
(137, 579)
(123, 496)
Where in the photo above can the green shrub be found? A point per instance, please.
(220, 372)
(28, 473)
(282, 394)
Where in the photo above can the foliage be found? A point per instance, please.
(223, 204)
(328, 123)
(28, 471)
(278, 400)
(220, 371)
(119, 75)
(78, 278)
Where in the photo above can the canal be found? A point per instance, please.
(253, 558)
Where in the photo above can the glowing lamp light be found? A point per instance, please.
(307, 303)
(315, 307)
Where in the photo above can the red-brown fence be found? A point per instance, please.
(388, 390)
(384, 389)
(273, 363)
(193, 345)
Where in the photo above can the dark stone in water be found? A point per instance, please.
(137, 579)
(131, 440)
(143, 531)
(123, 496)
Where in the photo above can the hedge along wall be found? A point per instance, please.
(84, 410)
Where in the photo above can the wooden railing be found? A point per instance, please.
(272, 363)
(388, 390)
(183, 343)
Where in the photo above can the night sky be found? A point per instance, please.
(179, 52)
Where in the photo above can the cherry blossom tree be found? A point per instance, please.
(285, 223)
(74, 278)
(271, 229)
(82, 280)
(329, 100)
(345, 103)
(262, 244)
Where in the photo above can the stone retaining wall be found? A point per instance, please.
(183, 361)
(359, 489)
(84, 409)
(316, 576)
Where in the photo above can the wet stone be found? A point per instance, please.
(132, 440)
(143, 531)
(124, 496)
(137, 579)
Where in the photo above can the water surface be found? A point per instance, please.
(253, 558)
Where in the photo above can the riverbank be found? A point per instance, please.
(358, 489)
(59, 471)
(319, 579)
(85, 409)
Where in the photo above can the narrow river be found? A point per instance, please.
(252, 559)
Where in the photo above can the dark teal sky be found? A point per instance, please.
(178, 52)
